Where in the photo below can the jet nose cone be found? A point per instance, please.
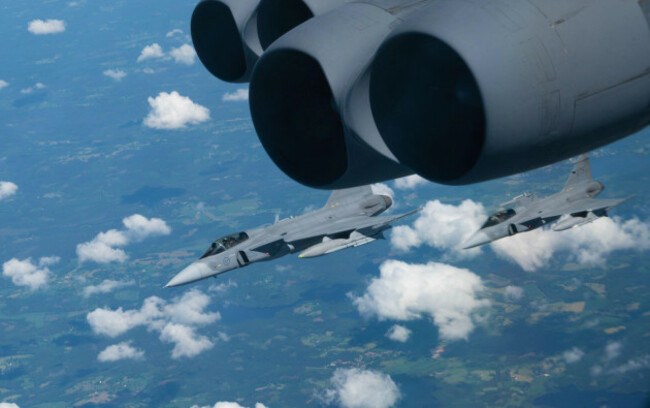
(478, 239)
(193, 273)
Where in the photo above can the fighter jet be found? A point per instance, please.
(349, 219)
(572, 207)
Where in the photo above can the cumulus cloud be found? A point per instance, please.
(27, 273)
(7, 189)
(184, 54)
(586, 245)
(37, 86)
(3, 84)
(50, 26)
(153, 51)
(120, 351)
(115, 74)
(442, 226)
(513, 293)
(240, 95)
(613, 350)
(410, 182)
(173, 111)
(8, 405)
(356, 388)
(176, 321)
(106, 246)
(383, 189)
(225, 404)
(106, 286)
(449, 295)
(632, 365)
(174, 32)
(573, 356)
(398, 333)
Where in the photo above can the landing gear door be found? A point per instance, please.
(242, 258)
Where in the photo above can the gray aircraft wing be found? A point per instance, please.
(357, 223)
(596, 206)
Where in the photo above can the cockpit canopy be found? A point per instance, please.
(499, 217)
(224, 243)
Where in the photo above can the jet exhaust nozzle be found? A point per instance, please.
(464, 92)
(224, 33)
(299, 94)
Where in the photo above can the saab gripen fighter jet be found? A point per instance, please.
(572, 207)
(349, 219)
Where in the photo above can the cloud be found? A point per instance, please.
(106, 286)
(173, 111)
(176, 321)
(26, 273)
(240, 95)
(3, 84)
(398, 333)
(8, 405)
(573, 356)
(227, 405)
(613, 350)
(184, 54)
(513, 293)
(174, 32)
(106, 246)
(115, 74)
(383, 189)
(120, 351)
(586, 245)
(7, 189)
(153, 51)
(356, 388)
(37, 86)
(449, 295)
(442, 226)
(410, 182)
(40, 27)
(632, 365)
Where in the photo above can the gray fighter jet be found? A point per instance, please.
(349, 219)
(572, 207)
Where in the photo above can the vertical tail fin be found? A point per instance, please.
(581, 172)
(342, 196)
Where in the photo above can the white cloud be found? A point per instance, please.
(225, 404)
(50, 26)
(174, 32)
(176, 322)
(573, 356)
(106, 246)
(26, 273)
(513, 293)
(7, 189)
(223, 287)
(3, 84)
(586, 245)
(447, 294)
(173, 111)
(240, 95)
(442, 226)
(356, 388)
(632, 365)
(613, 350)
(115, 74)
(8, 405)
(37, 86)
(153, 51)
(120, 351)
(184, 54)
(410, 182)
(106, 286)
(398, 333)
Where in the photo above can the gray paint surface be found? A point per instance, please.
(350, 218)
(572, 207)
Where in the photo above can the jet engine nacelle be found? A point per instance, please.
(349, 92)
(468, 91)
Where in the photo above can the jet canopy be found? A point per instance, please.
(224, 243)
(499, 217)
